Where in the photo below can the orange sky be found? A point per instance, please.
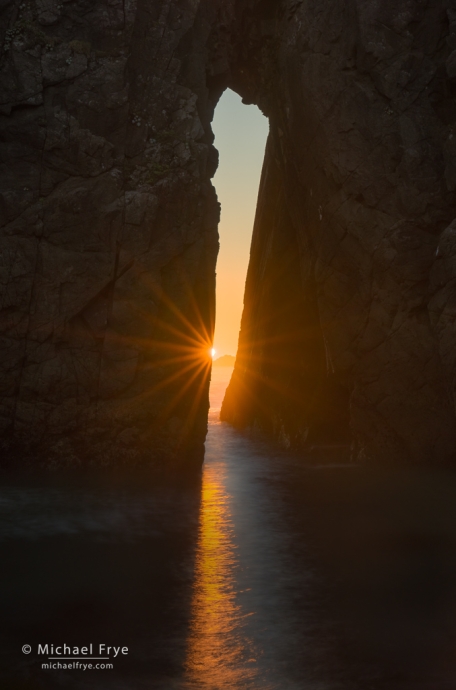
(240, 137)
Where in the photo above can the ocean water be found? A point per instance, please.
(263, 573)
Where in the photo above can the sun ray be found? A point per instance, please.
(172, 404)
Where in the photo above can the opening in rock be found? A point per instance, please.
(240, 137)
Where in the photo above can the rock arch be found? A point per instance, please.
(109, 224)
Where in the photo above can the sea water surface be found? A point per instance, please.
(266, 572)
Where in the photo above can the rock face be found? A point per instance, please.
(109, 226)
(353, 255)
(109, 232)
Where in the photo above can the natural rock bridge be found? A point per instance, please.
(109, 226)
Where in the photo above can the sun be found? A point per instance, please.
(212, 352)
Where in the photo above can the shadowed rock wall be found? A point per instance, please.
(109, 226)
(282, 383)
(109, 231)
(361, 101)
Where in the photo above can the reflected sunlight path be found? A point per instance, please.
(247, 624)
(219, 653)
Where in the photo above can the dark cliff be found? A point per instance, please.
(109, 231)
(109, 226)
(348, 327)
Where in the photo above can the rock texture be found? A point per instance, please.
(355, 257)
(109, 232)
(109, 226)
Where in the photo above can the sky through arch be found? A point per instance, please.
(240, 137)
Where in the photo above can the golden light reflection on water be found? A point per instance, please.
(219, 654)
